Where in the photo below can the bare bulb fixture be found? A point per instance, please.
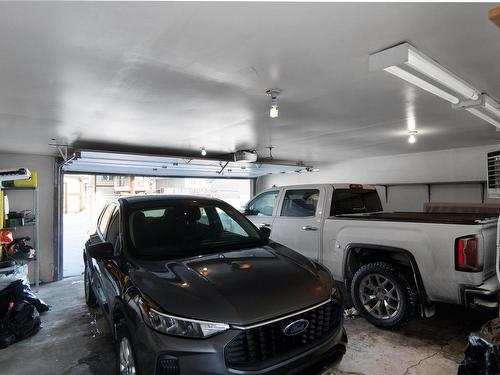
(203, 151)
(412, 138)
(274, 110)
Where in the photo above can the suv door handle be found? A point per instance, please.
(264, 225)
(308, 227)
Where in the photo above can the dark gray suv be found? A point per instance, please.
(190, 286)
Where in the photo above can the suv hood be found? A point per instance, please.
(238, 287)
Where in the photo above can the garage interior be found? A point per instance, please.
(174, 91)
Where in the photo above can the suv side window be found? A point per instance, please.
(102, 225)
(113, 229)
(300, 203)
(263, 204)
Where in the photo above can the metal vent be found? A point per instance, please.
(494, 174)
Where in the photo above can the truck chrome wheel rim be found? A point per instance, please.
(127, 366)
(379, 296)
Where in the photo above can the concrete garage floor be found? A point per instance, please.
(75, 340)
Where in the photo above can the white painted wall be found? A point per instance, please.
(457, 165)
(18, 200)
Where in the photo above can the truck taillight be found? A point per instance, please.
(467, 257)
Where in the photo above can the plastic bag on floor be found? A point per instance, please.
(21, 320)
(18, 272)
(482, 355)
(20, 291)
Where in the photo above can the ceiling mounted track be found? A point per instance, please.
(102, 162)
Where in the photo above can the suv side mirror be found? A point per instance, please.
(266, 232)
(101, 251)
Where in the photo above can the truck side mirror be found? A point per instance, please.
(249, 211)
(101, 251)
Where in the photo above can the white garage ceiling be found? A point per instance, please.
(181, 76)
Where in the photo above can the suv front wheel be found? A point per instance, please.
(125, 362)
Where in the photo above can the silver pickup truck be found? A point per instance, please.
(394, 265)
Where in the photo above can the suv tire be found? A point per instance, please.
(384, 295)
(90, 298)
(126, 362)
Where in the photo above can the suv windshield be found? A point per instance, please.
(355, 201)
(187, 229)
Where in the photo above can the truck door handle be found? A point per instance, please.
(264, 225)
(308, 227)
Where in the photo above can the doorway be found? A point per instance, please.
(84, 196)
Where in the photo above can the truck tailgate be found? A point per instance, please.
(489, 236)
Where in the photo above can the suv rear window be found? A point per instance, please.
(355, 201)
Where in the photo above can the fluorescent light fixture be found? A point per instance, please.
(403, 74)
(398, 59)
(420, 62)
(483, 116)
(492, 106)
(406, 62)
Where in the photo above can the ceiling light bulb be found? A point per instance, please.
(274, 111)
(412, 139)
(203, 152)
(273, 93)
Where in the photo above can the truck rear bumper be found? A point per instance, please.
(484, 296)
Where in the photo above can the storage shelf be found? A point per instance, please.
(11, 188)
(32, 224)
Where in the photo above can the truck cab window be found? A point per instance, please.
(263, 204)
(300, 203)
(355, 201)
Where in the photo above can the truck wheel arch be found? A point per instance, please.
(358, 254)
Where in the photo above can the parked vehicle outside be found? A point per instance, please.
(391, 264)
(190, 286)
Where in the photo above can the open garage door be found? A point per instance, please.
(90, 179)
(86, 161)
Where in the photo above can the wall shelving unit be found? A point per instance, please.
(35, 238)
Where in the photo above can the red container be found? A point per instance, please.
(5, 237)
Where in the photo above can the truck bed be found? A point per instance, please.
(422, 217)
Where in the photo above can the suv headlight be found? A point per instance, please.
(176, 326)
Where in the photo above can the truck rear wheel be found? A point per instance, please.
(383, 295)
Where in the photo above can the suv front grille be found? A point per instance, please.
(265, 345)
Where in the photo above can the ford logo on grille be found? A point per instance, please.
(295, 328)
